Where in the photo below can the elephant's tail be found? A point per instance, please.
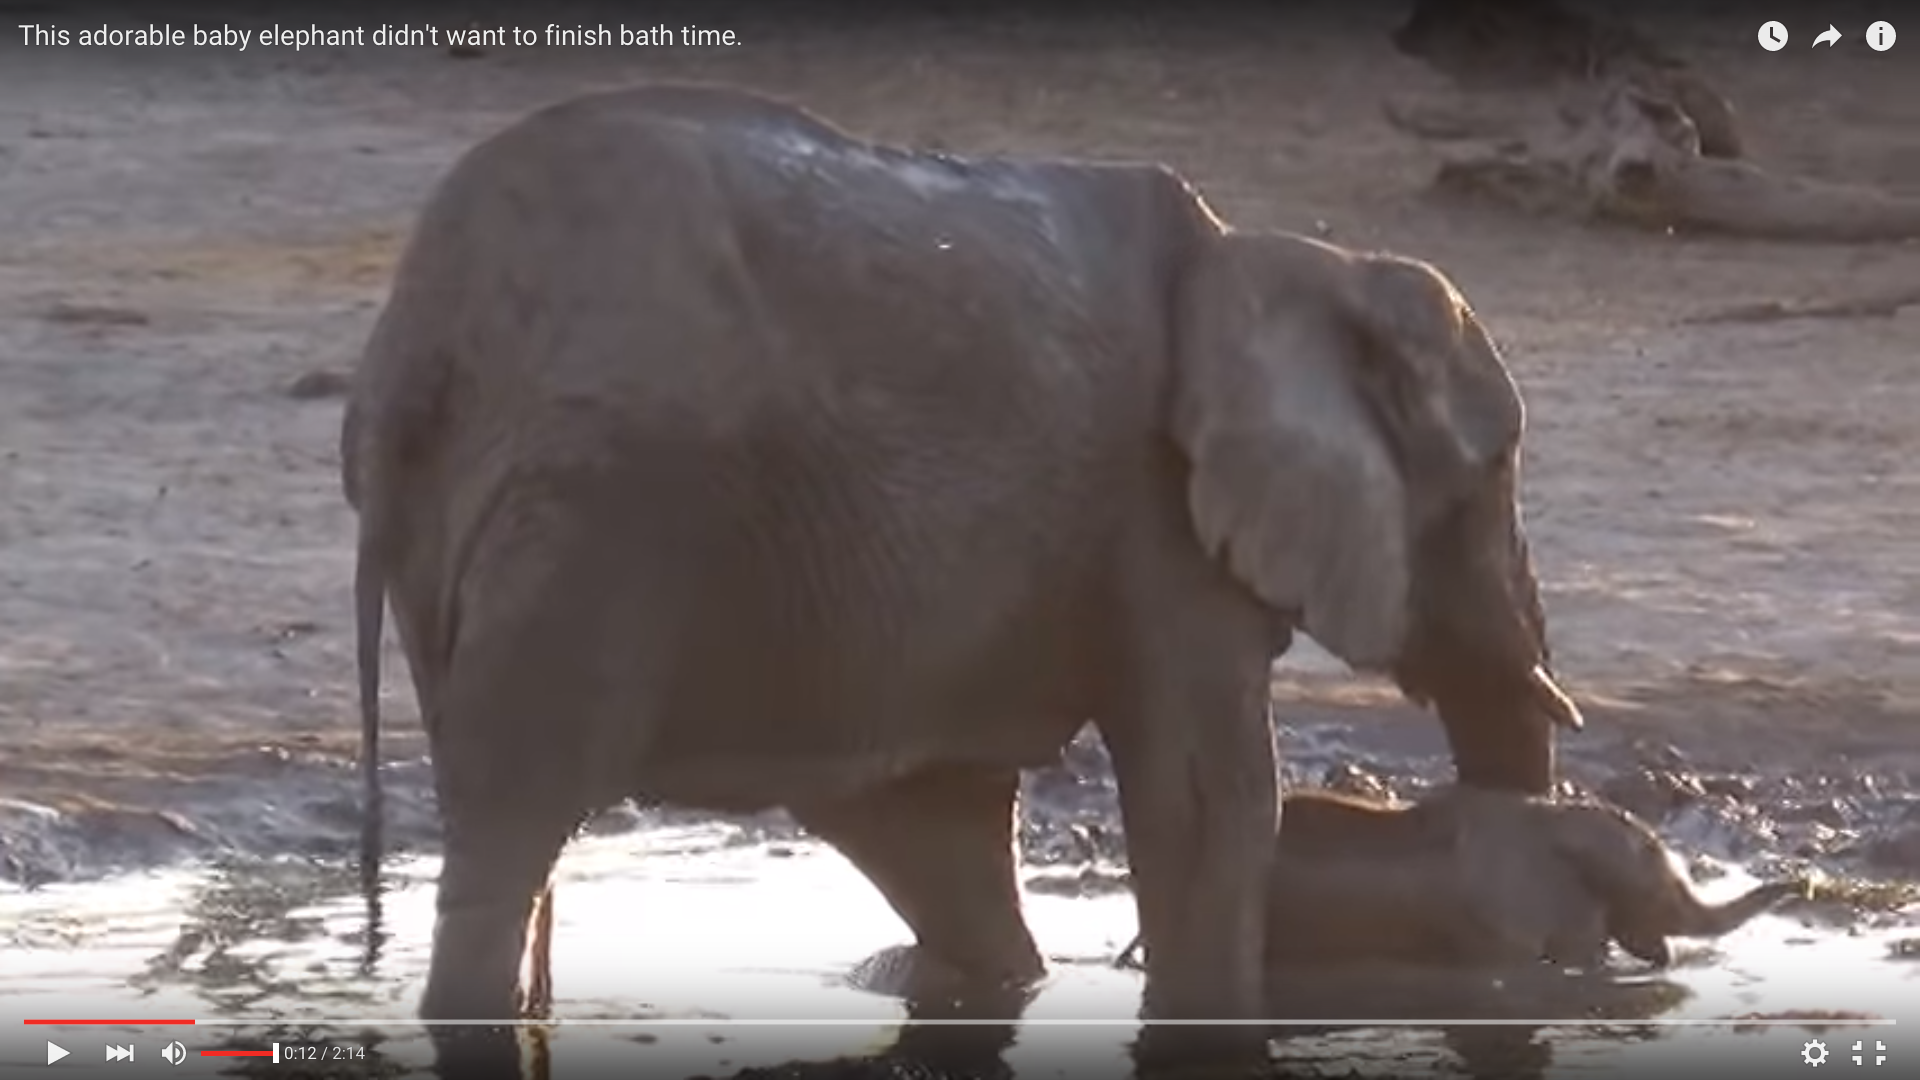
(369, 614)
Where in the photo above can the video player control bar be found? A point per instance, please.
(273, 1053)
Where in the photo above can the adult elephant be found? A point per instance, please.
(707, 452)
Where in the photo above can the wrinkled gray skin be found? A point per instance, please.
(707, 453)
(1473, 878)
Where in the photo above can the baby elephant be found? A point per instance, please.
(1476, 878)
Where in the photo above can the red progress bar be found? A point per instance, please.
(116, 1023)
(236, 1053)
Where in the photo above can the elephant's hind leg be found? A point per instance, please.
(939, 845)
(508, 749)
(538, 1003)
(494, 872)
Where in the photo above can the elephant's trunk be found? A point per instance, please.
(1701, 919)
(1482, 661)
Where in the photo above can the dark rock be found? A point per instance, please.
(614, 821)
(1351, 779)
(95, 315)
(1652, 793)
(317, 385)
(1899, 852)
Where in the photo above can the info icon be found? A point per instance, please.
(1880, 36)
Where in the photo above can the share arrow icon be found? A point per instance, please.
(1827, 37)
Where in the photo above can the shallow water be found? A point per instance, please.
(697, 942)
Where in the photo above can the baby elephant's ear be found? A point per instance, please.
(1645, 943)
(1292, 483)
(1635, 876)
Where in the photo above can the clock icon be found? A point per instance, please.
(1773, 36)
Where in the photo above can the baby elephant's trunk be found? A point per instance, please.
(1643, 931)
(1713, 920)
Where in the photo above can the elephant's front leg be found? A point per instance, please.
(1192, 745)
(1200, 828)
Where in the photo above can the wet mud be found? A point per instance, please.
(1736, 777)
(747, 921)
(1838, 803)
(713, 951)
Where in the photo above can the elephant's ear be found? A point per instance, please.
(1616, 851)
(1330, 405)
(1626, 866)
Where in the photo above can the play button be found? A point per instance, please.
(55, 1051)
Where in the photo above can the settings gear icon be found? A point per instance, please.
(1814, 1053)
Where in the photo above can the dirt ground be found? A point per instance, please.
(1723, 513)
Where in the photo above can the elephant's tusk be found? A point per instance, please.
(1558, 706)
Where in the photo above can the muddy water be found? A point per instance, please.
(694, 939)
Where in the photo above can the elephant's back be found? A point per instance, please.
(1327, 824)
(705, 250)
(856, 437)
(721, 294)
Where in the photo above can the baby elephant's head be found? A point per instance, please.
(1648, 893)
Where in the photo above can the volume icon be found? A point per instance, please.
(119, 1053)
(174, 1053)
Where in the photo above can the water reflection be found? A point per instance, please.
(685, 934)
(241, 921)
